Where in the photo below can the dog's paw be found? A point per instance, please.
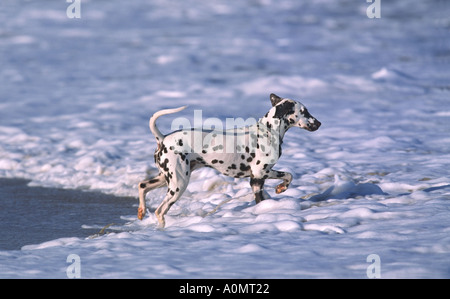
(161, 221)
(281, 188)
(141, 213)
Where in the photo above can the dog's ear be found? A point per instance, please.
(275, 99)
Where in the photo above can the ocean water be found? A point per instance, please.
(76, 95)
(32, 215)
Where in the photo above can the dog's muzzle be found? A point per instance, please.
(313, 126)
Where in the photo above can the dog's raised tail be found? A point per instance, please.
(152, 123)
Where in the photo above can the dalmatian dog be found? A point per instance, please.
(250, 151)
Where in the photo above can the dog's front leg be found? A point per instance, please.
(257, 187)
(285, 176)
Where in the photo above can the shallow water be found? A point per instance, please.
(31, 215)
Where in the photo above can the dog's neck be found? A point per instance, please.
(276, 126)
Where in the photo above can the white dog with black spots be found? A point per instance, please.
(250, 151)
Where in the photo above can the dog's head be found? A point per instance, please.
(293, 113)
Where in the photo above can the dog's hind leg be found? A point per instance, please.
(177, 185)
(144, 187)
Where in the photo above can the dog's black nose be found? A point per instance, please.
(317, 124)
(313, 127)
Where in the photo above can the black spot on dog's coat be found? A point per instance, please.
(244, 167)
(284, 109)
(232, 166)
